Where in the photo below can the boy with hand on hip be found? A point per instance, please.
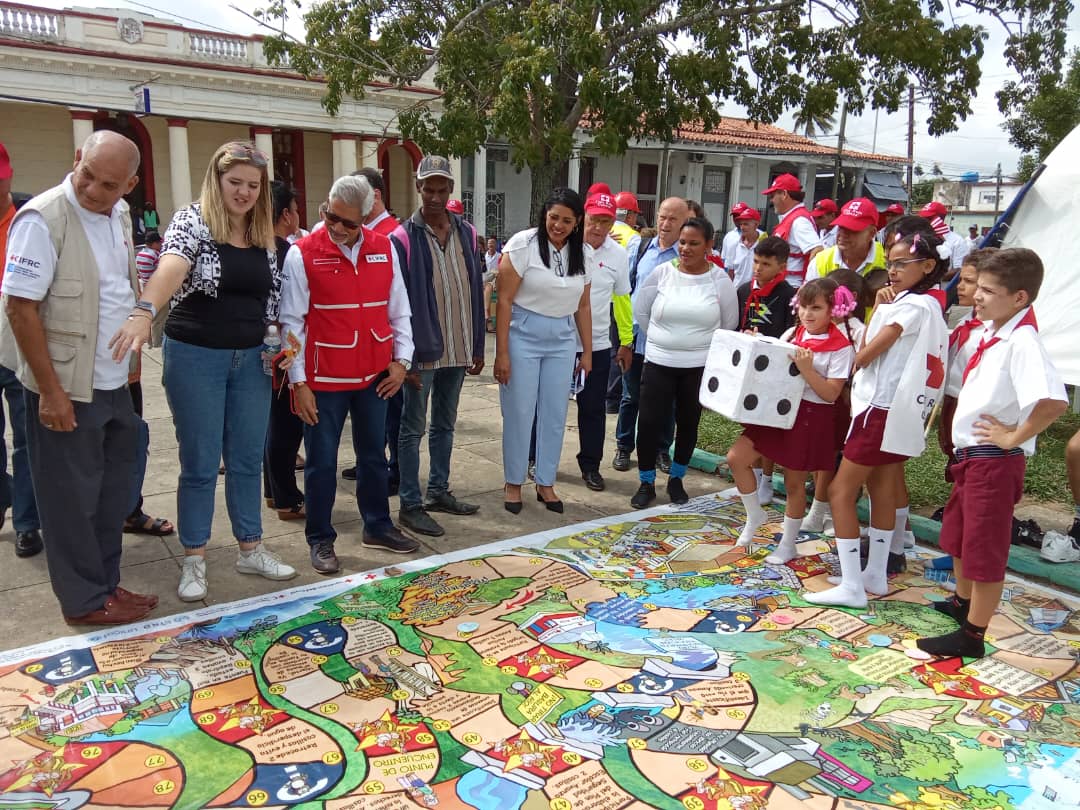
(1010, 393)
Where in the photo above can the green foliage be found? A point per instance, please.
(1041, 120)
(979, 798)
(921, 193)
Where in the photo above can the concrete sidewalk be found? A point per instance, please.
(152, 565)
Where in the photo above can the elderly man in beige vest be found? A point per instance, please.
(69, 284)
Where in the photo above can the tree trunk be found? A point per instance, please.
(543, 183)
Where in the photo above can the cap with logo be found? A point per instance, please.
(857, 215)
(747, 213)
(455, 207)
(933, 209)
(599, 188)
(895, 208)
(785, 182)
(600, 205)
(434, 166)
(823, 207)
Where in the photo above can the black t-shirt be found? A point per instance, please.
(773, 315)
(236, 318)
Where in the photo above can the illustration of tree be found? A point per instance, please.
(979, 798)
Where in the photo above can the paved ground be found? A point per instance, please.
(150, 564)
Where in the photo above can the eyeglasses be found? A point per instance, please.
(334, 219)
(899, 263)
(560, 269)
(242, 151)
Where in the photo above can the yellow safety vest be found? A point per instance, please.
(622, 233)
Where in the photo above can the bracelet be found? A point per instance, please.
(138, 313)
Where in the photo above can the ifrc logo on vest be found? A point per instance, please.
(349, 337)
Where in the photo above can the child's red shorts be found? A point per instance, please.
(977, 524)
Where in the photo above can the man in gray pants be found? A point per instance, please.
(69, 284)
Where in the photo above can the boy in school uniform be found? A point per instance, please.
(1010, 393)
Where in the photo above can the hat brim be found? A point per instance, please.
(599, 211)
(746, 215)
(435, 173)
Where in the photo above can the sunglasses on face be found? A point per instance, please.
(334, 219)
(256, 157)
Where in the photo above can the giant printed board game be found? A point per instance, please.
(640, 661)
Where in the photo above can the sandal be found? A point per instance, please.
(296, 513)
(142, 523)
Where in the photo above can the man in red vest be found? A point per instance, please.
(344, 300)
(796, 227)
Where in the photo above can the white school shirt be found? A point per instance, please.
(542, 289)
(31, 266)
(958, 360)
(856, 328)
(296, 301)
(834, 365)
(959, 248)
(609, 269)
(739, 259)
(877, 382)
(1012, 376)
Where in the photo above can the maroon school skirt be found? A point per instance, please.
(809, 445)
(864, 442)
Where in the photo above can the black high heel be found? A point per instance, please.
(551, 506)
(513, 507)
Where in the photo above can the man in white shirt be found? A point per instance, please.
(738, 253)
(959, 247)
(357, 290)
(795, 227)
(824, 216)
(70, 265)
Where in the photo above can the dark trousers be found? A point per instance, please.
(284, 433)
(613, 395)
(368, 413)
(142, 451)
(591, 416)
(393, 434)
(628, 411)
(82, 480)
(660, 385)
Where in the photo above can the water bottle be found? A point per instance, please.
(271, 348)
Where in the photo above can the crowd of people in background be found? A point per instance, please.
(272, 336)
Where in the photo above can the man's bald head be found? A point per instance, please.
(106, 168)
(670, 217)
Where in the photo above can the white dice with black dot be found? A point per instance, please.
(751, 379)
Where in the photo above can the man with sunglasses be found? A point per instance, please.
(344, 299)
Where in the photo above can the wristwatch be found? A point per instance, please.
(142, 303)
(406, 364)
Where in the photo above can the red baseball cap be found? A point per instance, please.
(785, 182)
(627, 201)
(857, 215)
(738, 208)
(822, 207)
(933, 209)
(895, 208)
(455, 206)
(598, 188)
(5, 163)
(600, 205)
(747, 213)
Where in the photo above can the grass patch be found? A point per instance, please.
(1046, 478)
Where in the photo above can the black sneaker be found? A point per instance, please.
(27, 544)
(446, 502)
(622, 460)
(1026, 533)
(593, 480)
(663, 462)
(1074, 532)
(349, 473)
(645, 495)
(676, 492)
(417, 520)
(390, 540)
(896, 564)
(323, 558)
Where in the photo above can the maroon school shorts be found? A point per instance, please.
(977, 524)
(864, 441)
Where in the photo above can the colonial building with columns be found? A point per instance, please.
(181, 92)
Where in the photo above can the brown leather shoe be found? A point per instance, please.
(124, 595)
(113, 611)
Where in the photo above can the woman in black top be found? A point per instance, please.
(219, 265)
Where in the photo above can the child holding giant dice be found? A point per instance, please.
(1010, 393)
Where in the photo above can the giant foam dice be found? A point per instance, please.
(751, 379)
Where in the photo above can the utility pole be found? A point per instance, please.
(839, 150)
(910, 142)
(997, 193)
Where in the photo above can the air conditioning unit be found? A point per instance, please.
(696, 157)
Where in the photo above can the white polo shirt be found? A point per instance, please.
(609, 268)
(739, 258)
(803, 237)
(31, 266)
(1012, 376)
(545, 290)
(959, 248)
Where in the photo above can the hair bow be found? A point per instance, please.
(843, 303)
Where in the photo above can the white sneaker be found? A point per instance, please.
(262, 562)
(192, 587)
(765, 491)
(909, 540)
(1059, 548)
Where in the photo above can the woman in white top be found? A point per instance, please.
(543, 290)
(679, 307)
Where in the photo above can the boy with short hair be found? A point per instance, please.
(765, 300)
(1010, 393)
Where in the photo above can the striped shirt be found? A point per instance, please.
(450, 281)
(146, 261)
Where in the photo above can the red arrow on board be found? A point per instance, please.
(521, 600)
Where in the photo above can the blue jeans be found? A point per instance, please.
(626, 427)
(541, 364)
(443, 387)
(368, 413)
(17, 488)
(220, 402)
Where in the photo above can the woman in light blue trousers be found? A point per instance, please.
(543, 310)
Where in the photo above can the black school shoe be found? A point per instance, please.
(645, 495)
(593, 480)
(27, 544)
(390, 540)
(676, 492)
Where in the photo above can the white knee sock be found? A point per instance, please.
(900, 533)
(755, 517)
(765, 490)
(875, 580)
(850, 592)
(787, 549)
(815, 518)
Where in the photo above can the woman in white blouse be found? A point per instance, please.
(679, 306)
(543, 292)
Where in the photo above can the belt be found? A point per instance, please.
(984, 451)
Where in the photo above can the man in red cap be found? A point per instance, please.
(959, 247)
(626, 217)
(738, 253)
(855, 248)
(455, 207)
(824, 213)
(599, 188)
(796, 227)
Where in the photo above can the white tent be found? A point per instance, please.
(1047, 220)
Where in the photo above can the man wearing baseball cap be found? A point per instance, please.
(626, 217)
(738, 253)
(795, 227)
(16, 489)
(855, 248)
(825, 211)
(959, 247)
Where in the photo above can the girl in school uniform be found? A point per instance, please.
(901, 371)
(823, 354)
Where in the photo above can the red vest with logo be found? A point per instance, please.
(349, 339)
(386, 225)
(784, 229)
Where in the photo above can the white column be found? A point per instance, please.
(735, 192)
(804, 171)
(82, 127)
(860, 177)
(179, 163)
(336, 154)
(573, 171)
(809, 173)
(344, 154)
(459, 179)
(369, 152)
(264, 142)
(480, 189)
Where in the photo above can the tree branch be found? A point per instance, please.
(679, 23)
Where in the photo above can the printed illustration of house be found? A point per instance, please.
(93, 698)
